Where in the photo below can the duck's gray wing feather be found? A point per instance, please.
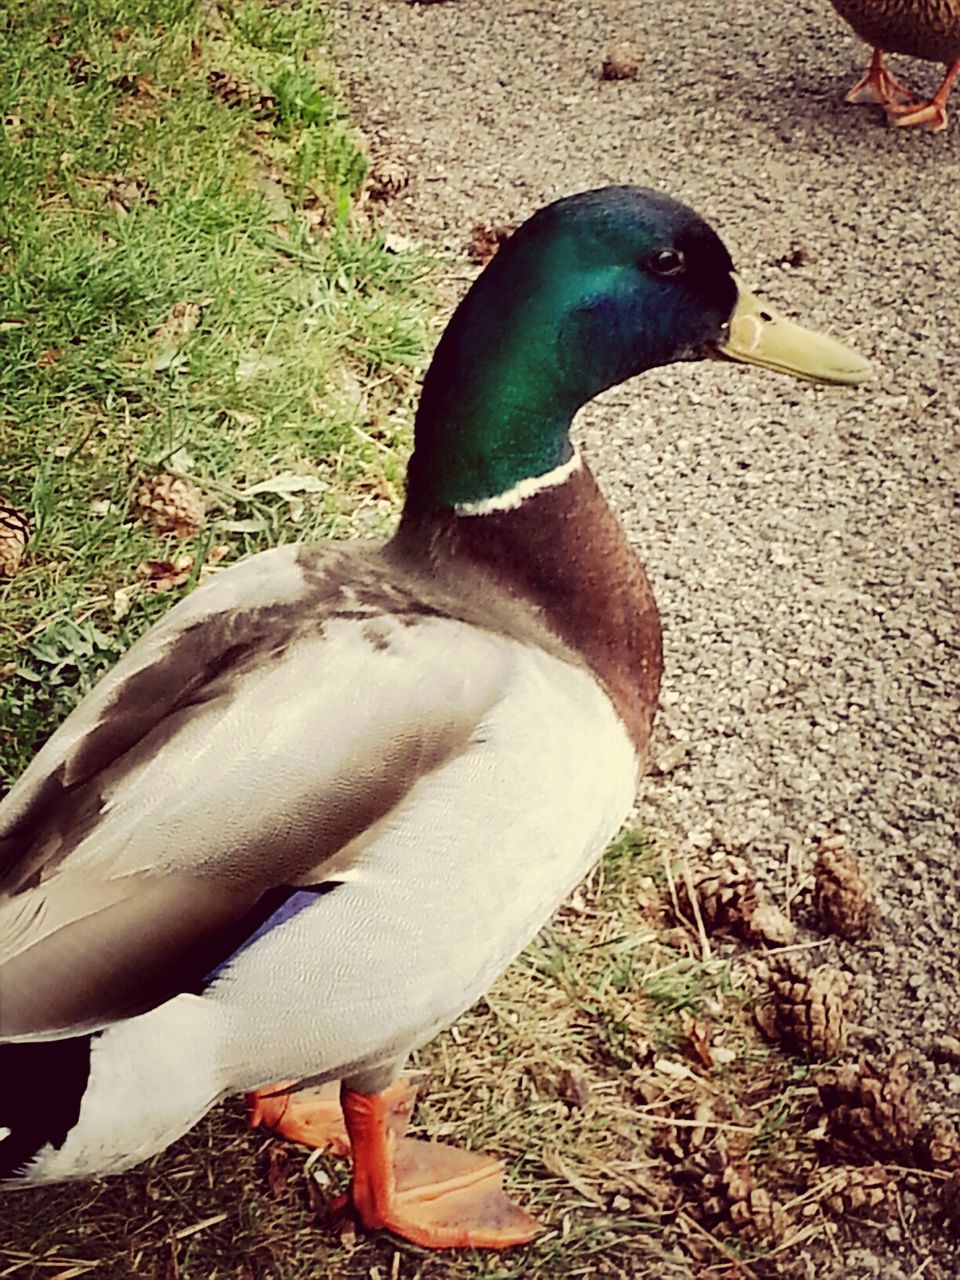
(134, 856)
(170, 665)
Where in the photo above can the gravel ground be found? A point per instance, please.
(799, 539)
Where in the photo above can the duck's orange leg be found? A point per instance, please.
(930, 115)
(314, 1117)
(431, 1194)
(879, 88)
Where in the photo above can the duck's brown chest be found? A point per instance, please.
(564, 562)
(920, 28)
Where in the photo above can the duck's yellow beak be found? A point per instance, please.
(758, 335)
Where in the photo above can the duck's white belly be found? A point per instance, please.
(444, 893)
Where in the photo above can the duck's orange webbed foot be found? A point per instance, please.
(879, 88)
(314, 1117)
(431, 1194)
(931, 115)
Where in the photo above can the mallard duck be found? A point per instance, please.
(317, 809)
(920, 28)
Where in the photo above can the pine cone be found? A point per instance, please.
(808, 1012)
(753, 1212)
(622, 61)
(727, 896)
(859, 1189)
(843, 894)
(485, 241)
(14, 536)
(389, 174)
(938, 1145)
(871, 1111)
(124, 194)
(675, 1144)
(227, 87)
(171, 504)
(731, 902)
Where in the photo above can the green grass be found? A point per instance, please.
(158, 154)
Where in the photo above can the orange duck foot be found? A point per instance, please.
(879, 88)
(931, 115)
(314, 1117)
(430, 1194)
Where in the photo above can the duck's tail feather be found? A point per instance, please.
(42, 1084)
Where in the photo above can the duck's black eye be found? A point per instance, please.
(667, 262)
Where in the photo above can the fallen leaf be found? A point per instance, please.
(699, 1034)
(573, 1086)
(164, 575)
(285, 484)
(394, 242)
(256, 524)
(182, 320)
(174, 331)
(675, 1070)
(703, 1115)
(79, 68)
(253, 364)
(122, 603)
(240, 418)
(486, 240)
(275, 201)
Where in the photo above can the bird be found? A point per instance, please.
(927, 29)
(315, 811)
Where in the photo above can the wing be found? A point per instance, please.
(230, 753)
(165, 669)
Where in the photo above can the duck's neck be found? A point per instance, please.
(498, 505)
(560, 553)
(521, 354)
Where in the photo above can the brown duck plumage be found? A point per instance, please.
(920, 28)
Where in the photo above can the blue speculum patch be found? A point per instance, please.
(291, 903)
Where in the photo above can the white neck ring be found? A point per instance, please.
(520, 493)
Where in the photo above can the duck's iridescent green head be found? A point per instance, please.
(588, 292)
